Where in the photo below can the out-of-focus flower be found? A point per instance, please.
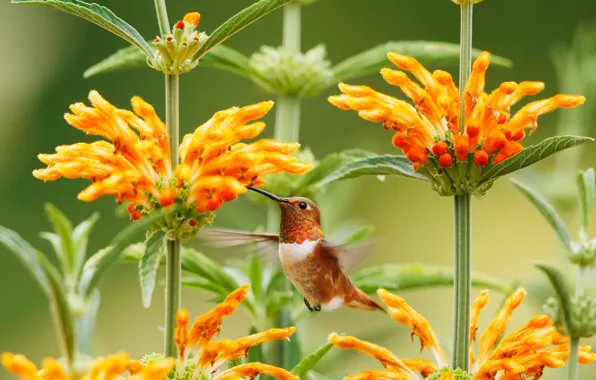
(136, 166)
(118, 366)
(522, 353)
(202, 358)
(428, 132)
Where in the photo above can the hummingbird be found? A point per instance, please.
(316, 267)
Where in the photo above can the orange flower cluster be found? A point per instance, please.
(521, 354)
(108, 368)
(136, 165)
(210, 355)
(428, 132)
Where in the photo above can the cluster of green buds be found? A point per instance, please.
(581, 315)
(449, 373)
(281, 72)
(175, 53)
(583, 253)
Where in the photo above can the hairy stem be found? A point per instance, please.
(287, 129)
(572, 363)
(462, 282)
(173, 271)
(162, 16)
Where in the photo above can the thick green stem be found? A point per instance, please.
(572, 363)
(462, 282)
(291, 36)
(465, 57)
(173, 114)
(173, 272)
(162, 17)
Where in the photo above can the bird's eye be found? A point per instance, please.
(302, 205)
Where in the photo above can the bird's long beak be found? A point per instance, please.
(268, 195)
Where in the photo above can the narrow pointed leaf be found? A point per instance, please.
(532, 155)
(309, 362)
(547, 211)
(27, 255)
(61, 310)
(98, 15)
(395, 277)
(226, 58)
(202, 266)
(587, 195)
(383, 164)
(63, 228)
(359, 235)
(131, 57)
(255, 354)
(429, 53)
(86, 324)
(239, 21)
(80, 238)
(557, 280)
(98, 265)
(156, 250)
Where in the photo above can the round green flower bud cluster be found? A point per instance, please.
(584, 253)
(292, 73)
(582, 323)
(458, 374)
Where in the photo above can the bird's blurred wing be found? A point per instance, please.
(350, 256)
(244, 243)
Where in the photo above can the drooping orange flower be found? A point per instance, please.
(521, 354)
(428, 132)
(135, 166)
(108, 368)
(209, 356)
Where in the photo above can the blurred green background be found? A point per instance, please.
(45, 53)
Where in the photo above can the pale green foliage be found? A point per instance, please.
(582, 323)
(458, 373)
(292, 73)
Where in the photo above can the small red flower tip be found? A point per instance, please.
(135, 215)
(417, 155)
(192, 18)
(445, 160)
(480, 158)
(461, 147)
(400, 141)
(440, 148)
(415, 166)
(495, 143)
(473, 130)
(501, 117)
(510, 149)
(179, 25)
(131, 207)
(169, 38)
(507, 133)
(192, 223)
(167, 197)
(157, 40)
(518, 135)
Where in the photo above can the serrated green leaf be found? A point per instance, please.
(27, 255)
(96, 267)
(63, 246)
(61, 309)
(239, 21)
(429, 53)
(531, 155)
(156, 250)
(547, 211)
(255, 354)
(131, 57)
(394, 277)
(80, 238)
(309, 362)
(98, 15)
(383, 164)
(587, 195)
(557, 280)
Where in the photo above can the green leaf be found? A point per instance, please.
(557, 280)
(131, 57)
(255, 354)
(292, 352)
(547, 211)
(395, 277)
(587, 195)
(80, 238)
(309, 362)
(202, 266)
(60, 307)
(383, 164)
(98, 15)
(429, 53)
(97, 266)
(531, 155)
(203, 284)
(86, 324)
(63, 228)
(156, 250)
(27, 255)
(255, 274)
(228, 59)
(239, 21)
(359, 235)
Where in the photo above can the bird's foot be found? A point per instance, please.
(317, 308)
(307, 304)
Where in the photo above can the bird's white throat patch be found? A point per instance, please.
(334, 303)
(294, 252)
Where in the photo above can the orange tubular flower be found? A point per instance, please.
(210, 355)
(428, 132)
(108, 368)
(521, 354)
(136, 166)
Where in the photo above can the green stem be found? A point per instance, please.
(173, 114)
(572, 363)
(462, 282)
(465, 57)
(162, 17)
(173, 272)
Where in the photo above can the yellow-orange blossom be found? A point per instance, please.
(429, 130)
(520, 354)
(136, 165)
